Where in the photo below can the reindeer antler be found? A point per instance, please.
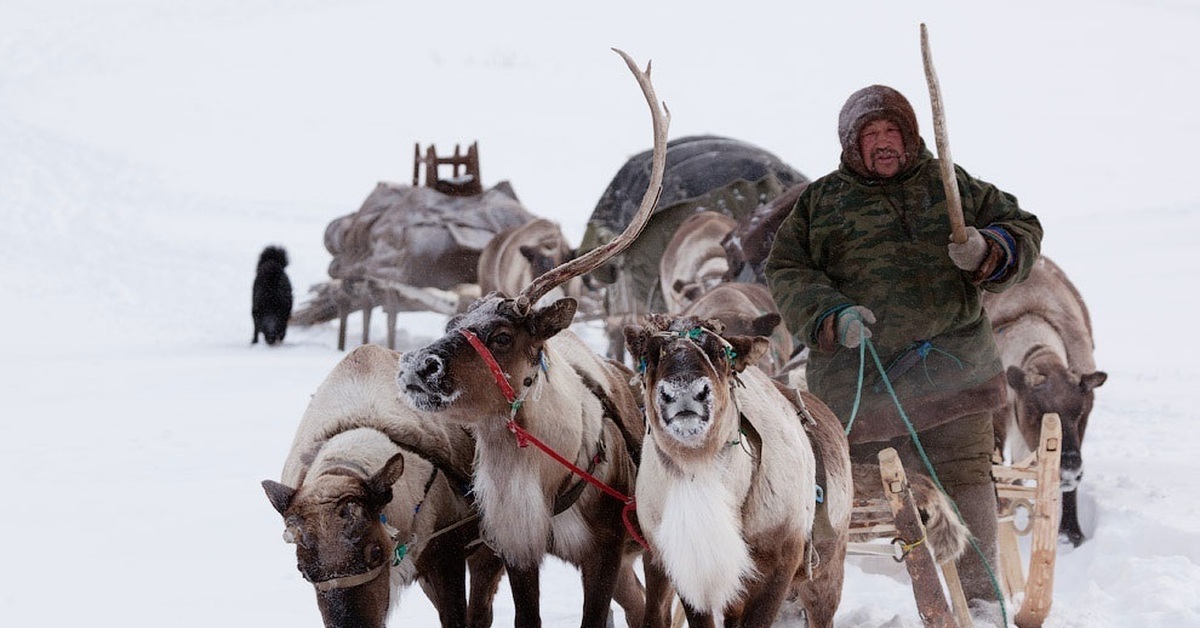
(594, 258)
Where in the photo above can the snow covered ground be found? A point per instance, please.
(149, 150)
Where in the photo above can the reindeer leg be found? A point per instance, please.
(599, 581)
(443, 566)
(658, 595)
(629, 593)
(486, 569)
(525, 591)
(762, 605)
(1069, 525)
(698, 619)
(823, 593)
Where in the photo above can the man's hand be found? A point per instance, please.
(852, 325)
(969, 255)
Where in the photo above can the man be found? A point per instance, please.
(864, 254)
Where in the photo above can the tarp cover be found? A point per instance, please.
(419, 236)
(703, 172)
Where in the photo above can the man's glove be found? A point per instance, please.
(852, 325)
(969, 255)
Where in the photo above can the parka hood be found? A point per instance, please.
(877, 102)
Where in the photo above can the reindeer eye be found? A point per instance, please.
(374, 554)
(501, 340)
(351, 511)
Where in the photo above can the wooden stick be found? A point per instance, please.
(927, 588)
(958, 228)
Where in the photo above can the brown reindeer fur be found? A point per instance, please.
(1044, 335)
(747, 309)
(747, 246)
(346, 468)
(578, 404)
(727, 487)
(694, 260)
(946, 533)
(516, 255)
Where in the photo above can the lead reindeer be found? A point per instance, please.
(1044, 334)
(373, 497)
(728, 487)
(505, 368)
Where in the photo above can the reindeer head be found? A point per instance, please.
(449, 375)
(1046, 385)
(342, 546)
(688, 368)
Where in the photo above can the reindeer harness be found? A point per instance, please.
(525, 438)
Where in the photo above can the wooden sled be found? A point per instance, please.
(894, 517)
(348, 296)
(1030, 504)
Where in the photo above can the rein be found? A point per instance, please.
(346, 582)
(524, 438)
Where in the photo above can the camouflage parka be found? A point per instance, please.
(882, 244)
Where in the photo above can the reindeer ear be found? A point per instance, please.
(379, 487)
(748, 349)
(1092, 380)
(635, 341)
(554, 318)
(1016, 378)
(765, 325)
(279, 495)
(528, 252)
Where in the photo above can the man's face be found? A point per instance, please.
(882, 148)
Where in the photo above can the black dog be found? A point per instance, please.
(272, 300)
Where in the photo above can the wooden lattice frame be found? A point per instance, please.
(464, 170)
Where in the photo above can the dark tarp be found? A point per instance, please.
(705, 172)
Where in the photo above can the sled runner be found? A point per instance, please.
(1028, 495)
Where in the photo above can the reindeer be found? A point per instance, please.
(728, 487)
(516, 255)
(373, 498)
(694, 260)
(747, 309)
(1044, 335)
(505, 368)
(748, 244)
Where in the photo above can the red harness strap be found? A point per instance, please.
(524, 438)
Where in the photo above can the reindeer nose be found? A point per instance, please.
(431, 366)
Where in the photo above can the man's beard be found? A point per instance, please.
(901, 160)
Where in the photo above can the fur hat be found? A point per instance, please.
(877, 102)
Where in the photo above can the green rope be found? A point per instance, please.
(866, 342)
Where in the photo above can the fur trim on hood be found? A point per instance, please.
(875, 103)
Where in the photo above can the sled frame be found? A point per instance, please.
(1031, 485)
(894, 517)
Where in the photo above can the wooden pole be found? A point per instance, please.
(958, 229)
(927, 588)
